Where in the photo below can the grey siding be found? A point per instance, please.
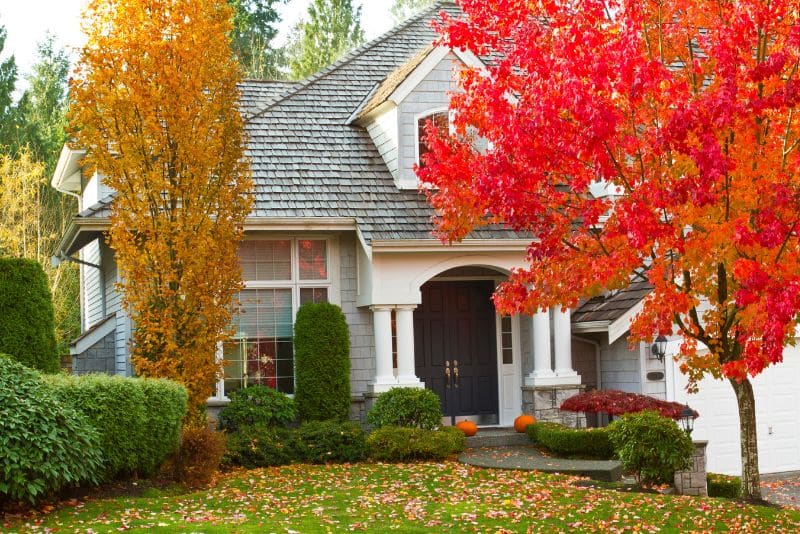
(362, 341)
(92, 290)
(526, 349)
(620, 367)
(584, 361)
(384, 134)
(99, 358)
(430, 94)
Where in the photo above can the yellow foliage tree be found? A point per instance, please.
(155, 104)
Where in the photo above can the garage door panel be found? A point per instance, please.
(777, 393)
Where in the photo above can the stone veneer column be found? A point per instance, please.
(692, 481)
(384, 374)
(562, 341)
(406, 373)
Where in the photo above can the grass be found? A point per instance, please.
(405, 498)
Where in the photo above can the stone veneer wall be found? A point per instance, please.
(543, 403)
(693, 481)
(99, 358)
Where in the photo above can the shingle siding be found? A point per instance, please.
(620, 367)
(359, 320)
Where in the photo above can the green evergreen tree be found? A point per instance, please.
(332, 29)
(254, 29)
(403, 9)
(8, 80)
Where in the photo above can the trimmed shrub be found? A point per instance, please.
(257, 405)
(726, 486)
(615, 402)
(330, 442)
(27, 324)
(138, 419)
(260, 446)
(652, 446)
(44, 445)
(406, 407)
(587, 442)
(402, 444)
(199, 456)
(322, 363)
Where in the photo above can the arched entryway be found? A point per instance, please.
(458, 344)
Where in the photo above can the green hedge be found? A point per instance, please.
(260, 446)
(588, 442)
(724, 486)
(139, 419)
(27, 324)
(402, 444)
(44, 445)
(257, 405)
(407, 407)
(322, 442)
(322, 363)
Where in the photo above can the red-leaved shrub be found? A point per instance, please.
(615, 402)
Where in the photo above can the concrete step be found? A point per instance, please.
(497, 437)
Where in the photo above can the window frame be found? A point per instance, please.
(331, 284)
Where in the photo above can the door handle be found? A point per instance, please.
(447, 373)
(455, 373)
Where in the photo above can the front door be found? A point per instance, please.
(456, 349)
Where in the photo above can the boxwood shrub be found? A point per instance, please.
(407, 407)
(724, 486)
(27, 326)
(651, 445)
(586, 442)
(329, 442)
(138, 419)
(402, 444)
(44, 445)
(260, 445)
(257, 405)
(322, 363)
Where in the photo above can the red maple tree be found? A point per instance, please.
(616, 402)
(638, 138)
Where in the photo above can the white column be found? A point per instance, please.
(384, 374)
(540, 342)
(562, 341)
(406, 373)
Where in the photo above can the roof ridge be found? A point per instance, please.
(349, 56)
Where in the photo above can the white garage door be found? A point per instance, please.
(777, 393)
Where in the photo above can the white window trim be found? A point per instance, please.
(295, 284)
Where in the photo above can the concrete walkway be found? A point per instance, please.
(782, 488)
(528, 458)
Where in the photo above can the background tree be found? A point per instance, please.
(8, 80)
(254, 29)
(404, 9)
(155, 106)
(685, 111)
(333, 28)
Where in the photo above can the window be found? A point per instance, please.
(440, 121)
(280, 275)
(506, 344)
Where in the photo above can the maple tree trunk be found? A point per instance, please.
(751, 480)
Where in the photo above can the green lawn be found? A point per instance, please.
(407, 498)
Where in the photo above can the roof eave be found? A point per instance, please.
(67, 176)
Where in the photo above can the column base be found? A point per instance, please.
(544, 404)
(410, 382)
(552, 379)
(382, 385)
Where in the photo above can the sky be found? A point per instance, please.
(27, 21)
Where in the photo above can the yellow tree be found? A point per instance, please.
(155, 106)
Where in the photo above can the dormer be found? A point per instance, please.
(69, 178)
(397, 109)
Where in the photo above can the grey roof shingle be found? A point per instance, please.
(611, 308)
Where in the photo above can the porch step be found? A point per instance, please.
(497, 437)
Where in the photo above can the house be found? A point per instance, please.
(338, 216)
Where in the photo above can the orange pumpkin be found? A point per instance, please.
(522, 422)
(467, 427)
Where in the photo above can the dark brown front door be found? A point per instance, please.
(454, 328)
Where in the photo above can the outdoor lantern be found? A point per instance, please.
(687, 419)
(659, 348)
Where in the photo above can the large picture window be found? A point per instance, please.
(280, 275)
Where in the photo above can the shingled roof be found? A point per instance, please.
(307, 161)
(612, 307)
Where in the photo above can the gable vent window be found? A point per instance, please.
(440, 121)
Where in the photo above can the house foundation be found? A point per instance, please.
(543, 403)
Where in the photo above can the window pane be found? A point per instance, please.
(313, 295)
(266, 260)
(313, 256)
(440, 122)
(261, 349)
